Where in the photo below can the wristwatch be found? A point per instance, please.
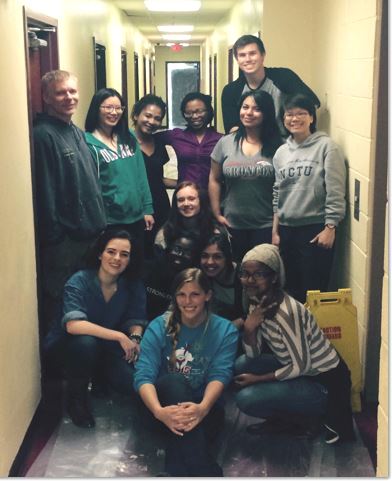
(330, 226)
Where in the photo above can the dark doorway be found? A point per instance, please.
(136, 75)
(100, 65)
(41, 52)
(230, 65)
(144, 75)
(152, 75)
(210, 75)
(215, 87)
(124, 76)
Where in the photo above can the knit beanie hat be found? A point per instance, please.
(269, 255)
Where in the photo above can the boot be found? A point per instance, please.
(77, 403)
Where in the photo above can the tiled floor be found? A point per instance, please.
(120, 447)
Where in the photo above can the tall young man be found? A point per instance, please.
(250, 53)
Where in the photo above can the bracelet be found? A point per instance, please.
(330, 226)
(135, 337)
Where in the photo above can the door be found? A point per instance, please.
(181, 78)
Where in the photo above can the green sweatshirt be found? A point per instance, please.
(122, 175)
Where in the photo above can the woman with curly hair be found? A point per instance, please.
(194, 144)
(185, 362)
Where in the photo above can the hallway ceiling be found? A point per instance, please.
(204, 21)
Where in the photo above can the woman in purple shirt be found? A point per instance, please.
(193, 146)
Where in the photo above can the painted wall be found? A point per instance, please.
(78, 22)
(19, 359)
(383, 407)
(333, 46)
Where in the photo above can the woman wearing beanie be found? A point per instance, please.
(290, 371)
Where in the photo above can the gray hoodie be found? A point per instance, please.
(310, 183)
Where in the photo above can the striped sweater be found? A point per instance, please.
(296, 341)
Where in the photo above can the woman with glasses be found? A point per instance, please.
(243, 159)
(216, 262)
(186, 360)
(290, 374)
(99, 330)
(193, 146)
(121, 171)
(147, 115)
(309, 199)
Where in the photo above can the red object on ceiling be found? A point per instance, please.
(176, 47)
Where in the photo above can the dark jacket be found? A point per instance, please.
(69, 201)
(285, 80)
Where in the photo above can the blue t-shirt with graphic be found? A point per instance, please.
(203, 354)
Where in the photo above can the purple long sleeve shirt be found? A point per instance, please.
(193, 158)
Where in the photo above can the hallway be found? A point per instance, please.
(120, 447)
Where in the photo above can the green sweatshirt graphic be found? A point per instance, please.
(122, 175)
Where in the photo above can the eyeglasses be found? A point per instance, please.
(110, 108)
(299, 115)
(256, 276)
(195, 113)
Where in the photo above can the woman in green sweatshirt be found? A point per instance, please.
(121, 170)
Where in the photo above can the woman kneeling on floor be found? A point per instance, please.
(98, 335)
(290, 381)
(186, 360)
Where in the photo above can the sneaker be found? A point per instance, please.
(331, 436)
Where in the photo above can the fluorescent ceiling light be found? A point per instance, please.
(175, 28)
(176, 37)
(170, 44)
(173, 5)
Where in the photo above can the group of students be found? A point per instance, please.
(177, 302)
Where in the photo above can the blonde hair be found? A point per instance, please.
(173, 320)
(54, 76)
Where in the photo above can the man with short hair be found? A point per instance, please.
(249, 52)
(70, 210)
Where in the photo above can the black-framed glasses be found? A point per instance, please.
(197, 112)
(256, 276)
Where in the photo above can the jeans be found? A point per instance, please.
(243, 240)
(88, 356)
(266, 399)
(190, 454)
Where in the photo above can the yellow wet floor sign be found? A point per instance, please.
(337, 317)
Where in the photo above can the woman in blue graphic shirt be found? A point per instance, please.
(186, 361)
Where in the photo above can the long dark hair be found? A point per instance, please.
(121, 128)
(174, 226)
(173, 320)
(269, 131)
(132, 270)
